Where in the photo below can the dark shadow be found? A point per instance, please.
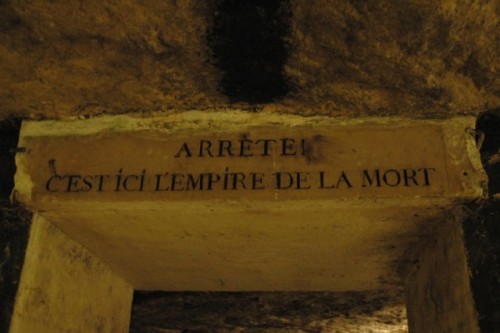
(14, 223)
(9, 136)
(488, 127)
(482, 229)
(248, 45)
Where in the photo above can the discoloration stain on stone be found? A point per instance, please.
(313, 149)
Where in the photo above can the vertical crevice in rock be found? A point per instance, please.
(488, 126)
(14, 223)
(9, 136)
(247, 41)
(482, 229)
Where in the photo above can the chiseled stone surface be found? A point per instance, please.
(232, 155)
(65, 288)
(73, 58)
(412, 58)
(415, 58)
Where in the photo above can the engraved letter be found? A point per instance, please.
(184, 149)
(49, 182)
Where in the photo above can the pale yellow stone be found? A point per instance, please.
(65, 288)
(437, 288)
(419, 158)
(342, 238)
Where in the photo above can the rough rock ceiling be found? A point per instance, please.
(414, 58)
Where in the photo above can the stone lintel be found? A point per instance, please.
(233, 201)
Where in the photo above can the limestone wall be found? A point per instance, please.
(413, 58)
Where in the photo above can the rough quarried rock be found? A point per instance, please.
(412, 58)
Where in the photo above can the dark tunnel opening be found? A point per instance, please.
(248, 44)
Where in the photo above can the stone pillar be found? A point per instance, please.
(65, 288)
(438, 293)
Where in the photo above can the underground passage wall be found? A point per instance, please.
(416, 60)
